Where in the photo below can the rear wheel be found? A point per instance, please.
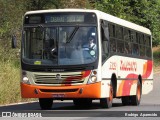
(107, 102)
(135, 100)
(45, 103)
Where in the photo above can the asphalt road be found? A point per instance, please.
(150, 105)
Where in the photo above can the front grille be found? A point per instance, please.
(58, 90)
(64, 79)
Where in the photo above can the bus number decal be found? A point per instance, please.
(113, 66)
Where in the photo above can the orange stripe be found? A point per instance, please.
(134, 82)
(120, 89)
(144, 68)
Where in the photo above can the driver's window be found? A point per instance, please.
(50, 44)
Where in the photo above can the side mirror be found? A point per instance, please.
(14, 41)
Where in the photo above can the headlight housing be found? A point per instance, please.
(93, 77)
(25, 79)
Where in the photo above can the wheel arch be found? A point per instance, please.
(140, 78)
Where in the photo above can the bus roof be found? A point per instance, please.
(101, 15)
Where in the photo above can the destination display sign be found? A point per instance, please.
(64, 18)
(72, 17)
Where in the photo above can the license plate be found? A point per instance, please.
(58, 95)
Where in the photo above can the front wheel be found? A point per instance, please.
(107, 102)
(45, 103)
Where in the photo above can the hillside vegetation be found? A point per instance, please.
(11, 11)
(156, 56)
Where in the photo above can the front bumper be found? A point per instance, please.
(61, 92)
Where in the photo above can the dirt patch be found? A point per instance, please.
(156, 48)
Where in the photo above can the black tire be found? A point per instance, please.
(125, 100)
(107, 102)
(136, 99)
(77, 102)
(114, 84)
(82, 102)
(45, 103)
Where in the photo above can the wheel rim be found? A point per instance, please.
(111, 94)
(139, 92)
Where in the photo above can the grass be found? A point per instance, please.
(10, 84)
(10, 77)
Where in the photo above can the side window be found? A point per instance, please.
(142, 50)
(111, 30)
(128, 48)
(141, 38)
(148, 52)
(113, 45)
(148, 40)
(119, 32)
(120, 46)
(113, 41)
(142, 41)
(105, 39)
(133, 37)
(135, 50)
(119, 37)
(148, 46)
(127, 41)
(137, 39)
(135, 42)
(127, 35)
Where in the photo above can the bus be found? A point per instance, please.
(58, 62)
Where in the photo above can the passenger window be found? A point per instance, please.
(128, 48)
(119, 32)
(141, 39)
(148, 41)
(135, 50)
(142, 50)
(127, 35)
(111, 30)
(148, 52)
(133, 37)
(137, 38)
(147, 44)
(120, 46)
(113, 45)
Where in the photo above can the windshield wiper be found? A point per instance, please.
(72, 34)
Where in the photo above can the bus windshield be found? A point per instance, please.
(68, 45)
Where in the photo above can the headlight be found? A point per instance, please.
(25, 79)
(93, 77)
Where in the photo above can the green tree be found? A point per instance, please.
(143, 12)
(75, 4)
(146, 13)
(42, 4)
